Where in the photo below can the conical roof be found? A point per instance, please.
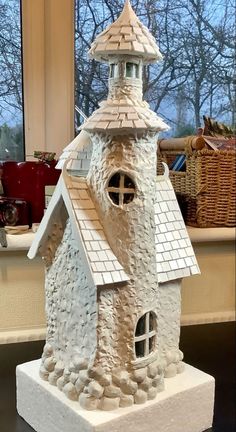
(115, 116)
(127, 35)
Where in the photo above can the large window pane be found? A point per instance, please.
(11, 108)
(195, 76)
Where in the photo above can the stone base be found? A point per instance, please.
(186, 405)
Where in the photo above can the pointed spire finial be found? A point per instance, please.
(127, 35)
(127, 12)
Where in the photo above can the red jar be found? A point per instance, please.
(27, 180)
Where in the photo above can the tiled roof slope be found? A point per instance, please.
(122, 115)
(79, 153)
(127, 35)
(105, 267)
(175, 257)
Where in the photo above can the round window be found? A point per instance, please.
(121, 189)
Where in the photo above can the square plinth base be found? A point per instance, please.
(186, 405)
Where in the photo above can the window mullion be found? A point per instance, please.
(140, 338)
(147, 334)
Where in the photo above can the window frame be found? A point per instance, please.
(22, 92)
(147, 336)
(114, 71)
(121, 190)
(135, 71)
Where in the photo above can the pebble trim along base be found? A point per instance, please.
(185, 406)
(94, 388)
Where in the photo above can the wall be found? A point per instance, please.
(21, 296)
(206, 298)
(211, 296)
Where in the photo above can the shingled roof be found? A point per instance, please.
(79, 153)
(122, 115)
(127, 35)
(175, 256)
(103, 265)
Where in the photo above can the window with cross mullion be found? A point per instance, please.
(121, 189)
(145, 335)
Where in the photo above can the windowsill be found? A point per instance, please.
(204, 235)
(144, 361)
(20, 242)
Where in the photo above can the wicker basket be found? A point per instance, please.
(206, 191)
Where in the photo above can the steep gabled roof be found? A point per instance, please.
(175, 257)
(105, 266)
(102, 263)
(127, 35)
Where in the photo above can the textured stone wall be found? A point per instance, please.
(169, 326)
(121, 87)
(130, 232)
(124, 89)
(71, 307)
(90, 350)
(94, 388)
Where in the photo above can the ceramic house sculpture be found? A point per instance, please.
(115, 246)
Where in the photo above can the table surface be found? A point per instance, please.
(209, 347)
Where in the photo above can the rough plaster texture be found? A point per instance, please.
(185, 406)
(134, 225)
(169, 326)
(169, 314)
(71, 307)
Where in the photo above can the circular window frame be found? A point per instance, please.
(119, 190)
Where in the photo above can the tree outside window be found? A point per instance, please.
(11, 99)
(196, 76)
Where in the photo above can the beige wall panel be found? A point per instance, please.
(21, 291)
(206, 298)
(213, 292)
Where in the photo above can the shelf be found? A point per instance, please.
(204, 235)
(22, 335)
(20, 242)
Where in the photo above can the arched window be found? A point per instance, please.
(145, 335)
(132, 70)
(121, 189)
(112, 70)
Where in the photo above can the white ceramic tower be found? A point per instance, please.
(122, 179)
